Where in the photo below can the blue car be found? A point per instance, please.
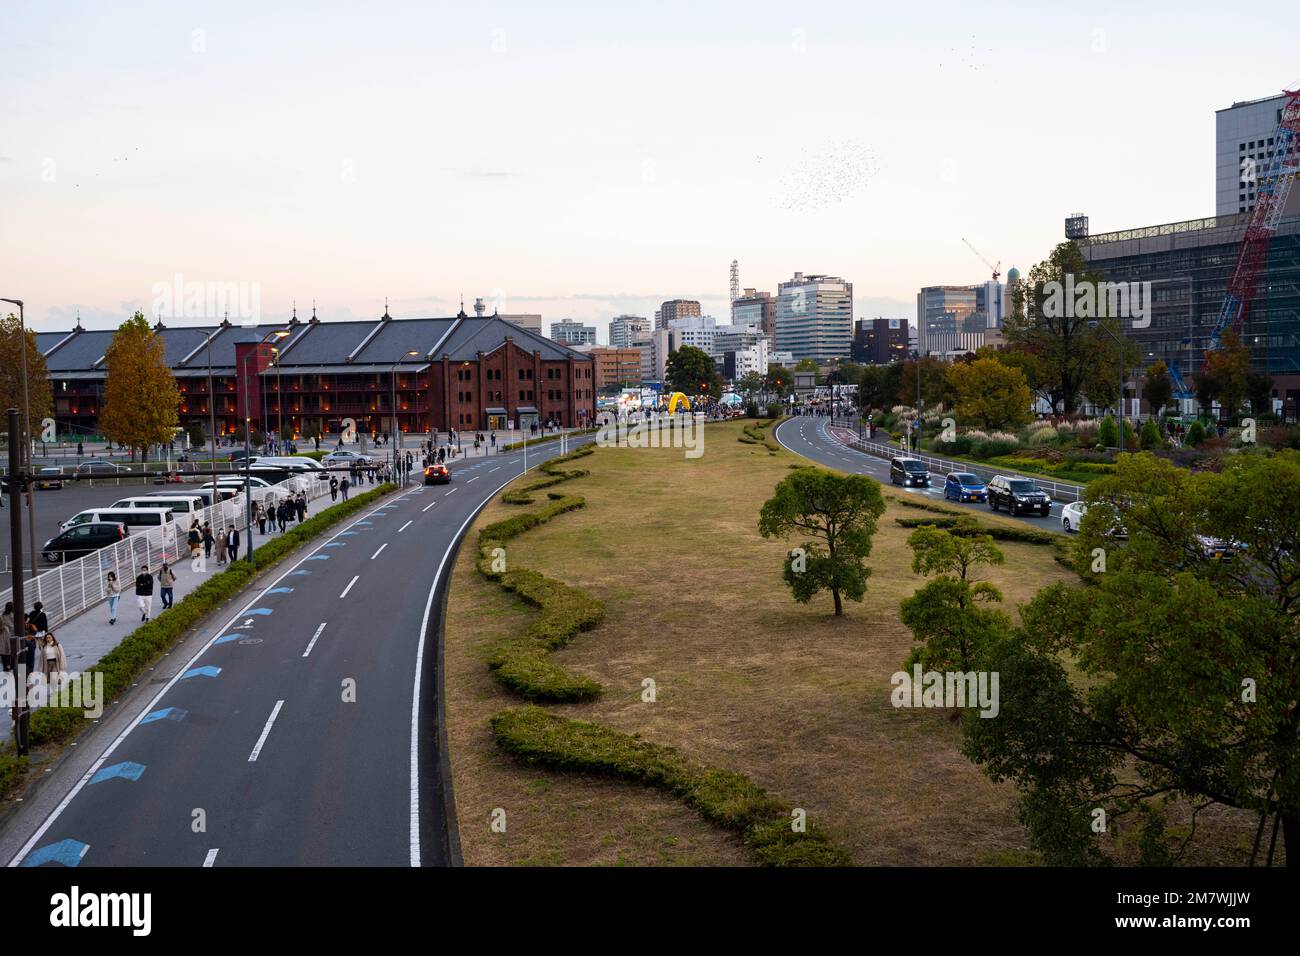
(963, 486)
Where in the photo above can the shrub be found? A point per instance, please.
(990, 448)
(723, 797)
(1043, 436)
(773, 409)
(1195, 434)
(1108, 433)
(966, 526)
(1151, 435)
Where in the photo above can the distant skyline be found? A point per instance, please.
(583, 161)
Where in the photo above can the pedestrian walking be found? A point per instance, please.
(343, 487)
(6, 635)
(302, 507)
(166, 584)
(261, 519)
(55, 661)
(194, 538)
(38, 619)
(114, 593)
(282, 514)
(208, 539)
(334, 488)
(234, 544)
(144, 592)
(221, 546)
(494, 442)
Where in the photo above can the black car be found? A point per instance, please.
(1018, 495)
(83, 539)
(909, 472)
(437, 474)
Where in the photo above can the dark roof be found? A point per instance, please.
(474, 335)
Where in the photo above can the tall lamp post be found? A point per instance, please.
(1119, 400)
(25, 432)
(248, 451)
(397, 429)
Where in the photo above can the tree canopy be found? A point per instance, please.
(140, 394)
(990, 394)
(40, 396)
(690, 368)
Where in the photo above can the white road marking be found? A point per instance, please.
(497, 468)
(405, 526)
(313, 640)
(428, 506)
(266, 731)
(349, 587)
(372, 557)
(450, 490)
(475, 478)
(210, 858)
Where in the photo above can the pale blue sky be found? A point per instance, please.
(583, 159)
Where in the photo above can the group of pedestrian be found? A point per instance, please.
(36, 640)
(337, 486)
(224, 540)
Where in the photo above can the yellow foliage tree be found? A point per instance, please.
(40, 400)
(140, 394)
(990, 394)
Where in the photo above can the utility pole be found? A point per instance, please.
(20, 617)
(26, 433)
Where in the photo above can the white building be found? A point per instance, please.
(624, 329)
(696, 330)
(569, 332)
(1244, 154)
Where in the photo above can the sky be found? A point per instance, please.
(585, 160)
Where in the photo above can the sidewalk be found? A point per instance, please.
(88, 636)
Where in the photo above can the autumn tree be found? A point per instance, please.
(140, 394)
(40, 400)
(1157, 386)
(990, 395)
(1229, 365)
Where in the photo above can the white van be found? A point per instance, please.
(133, 518)
(181, 504)
(292, 462)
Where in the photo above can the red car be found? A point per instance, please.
(437, 475)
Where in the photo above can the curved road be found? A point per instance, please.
(808, 435)
(303, 731)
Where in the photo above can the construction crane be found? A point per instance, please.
(1273, 187)
(997, 269)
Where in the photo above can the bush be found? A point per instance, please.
(774, 409)
(1108, 433)
(990, 448)
(751, 409)
(723, 797)
(1044, 436)
(1195, 434)
(967, 526)
(1151, 435)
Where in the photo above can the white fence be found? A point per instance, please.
(1058, 490)
(73, 586)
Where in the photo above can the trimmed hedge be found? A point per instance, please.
(521, 663)
(966, 526)
(144, 645)
(530, 442)
(723, 797)
(753, 435)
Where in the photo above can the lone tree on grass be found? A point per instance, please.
(837, 514)
(140, 394)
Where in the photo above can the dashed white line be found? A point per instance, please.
(497, 468)
(405, 526)
(266, 731)
(210, 858)
(428, 506)
(372, 557)
(450, 490)
(313, 640)
(475, 478)
(349, 587)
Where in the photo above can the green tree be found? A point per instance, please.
(1187, 665)
(140, 394)
(837, 515)
(1151, 435)
(1207, 388)
(198, 437)
(1195, 434)
(1259, 392)
(40, 395)
(936, 389)
(1157, 387)
(1108, 433)
(1229, 365)
(1030, 365)
(692, 372)
(1057, 330)
(778, 381)
(805, 365)
(879, 385)
(990, 394)
(749, 386)
(948, 616)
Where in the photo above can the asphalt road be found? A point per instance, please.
(808, 436)
(302, 731)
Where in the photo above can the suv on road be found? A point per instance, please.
(1018, 495)
(908, 472)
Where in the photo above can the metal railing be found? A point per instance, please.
(1059, 491)
(73, 586)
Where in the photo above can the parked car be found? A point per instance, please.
(49, 478)
(1018, 495)
(1072, 517)
(1220, 548)
(964, 486)
(179, 503)
(83, 539)
(908, 472)
(98, 468)
(346, 457)
(437, 474)
(154, 517)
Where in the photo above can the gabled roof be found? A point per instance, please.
(474, 335)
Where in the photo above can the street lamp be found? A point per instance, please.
(25, 432)
(1119, 401)
(396, 426)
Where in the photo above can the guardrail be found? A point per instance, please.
(1059, 491)
(73, 586)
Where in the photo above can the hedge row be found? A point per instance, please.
(966, 526)
(554, 475)
(924, 505)
(723, 797)
(521, 663)
(530, 442)
(144, 645)
(753, 435)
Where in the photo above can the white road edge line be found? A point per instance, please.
(419, 668)
(313, 640)
(405, 526)
(372, 557)
(354, 580)
(210, 858)
(266, 731)
(108, 751)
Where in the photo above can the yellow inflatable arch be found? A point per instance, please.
(676, 398)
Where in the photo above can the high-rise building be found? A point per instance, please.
(570, 332)
(1245, 153)
(756, 308)
(531, 322)
(615, 367)
(623, 329)
(814, 317)
(954, 318)
(880, 341)
(676, 309)
(696, 331)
